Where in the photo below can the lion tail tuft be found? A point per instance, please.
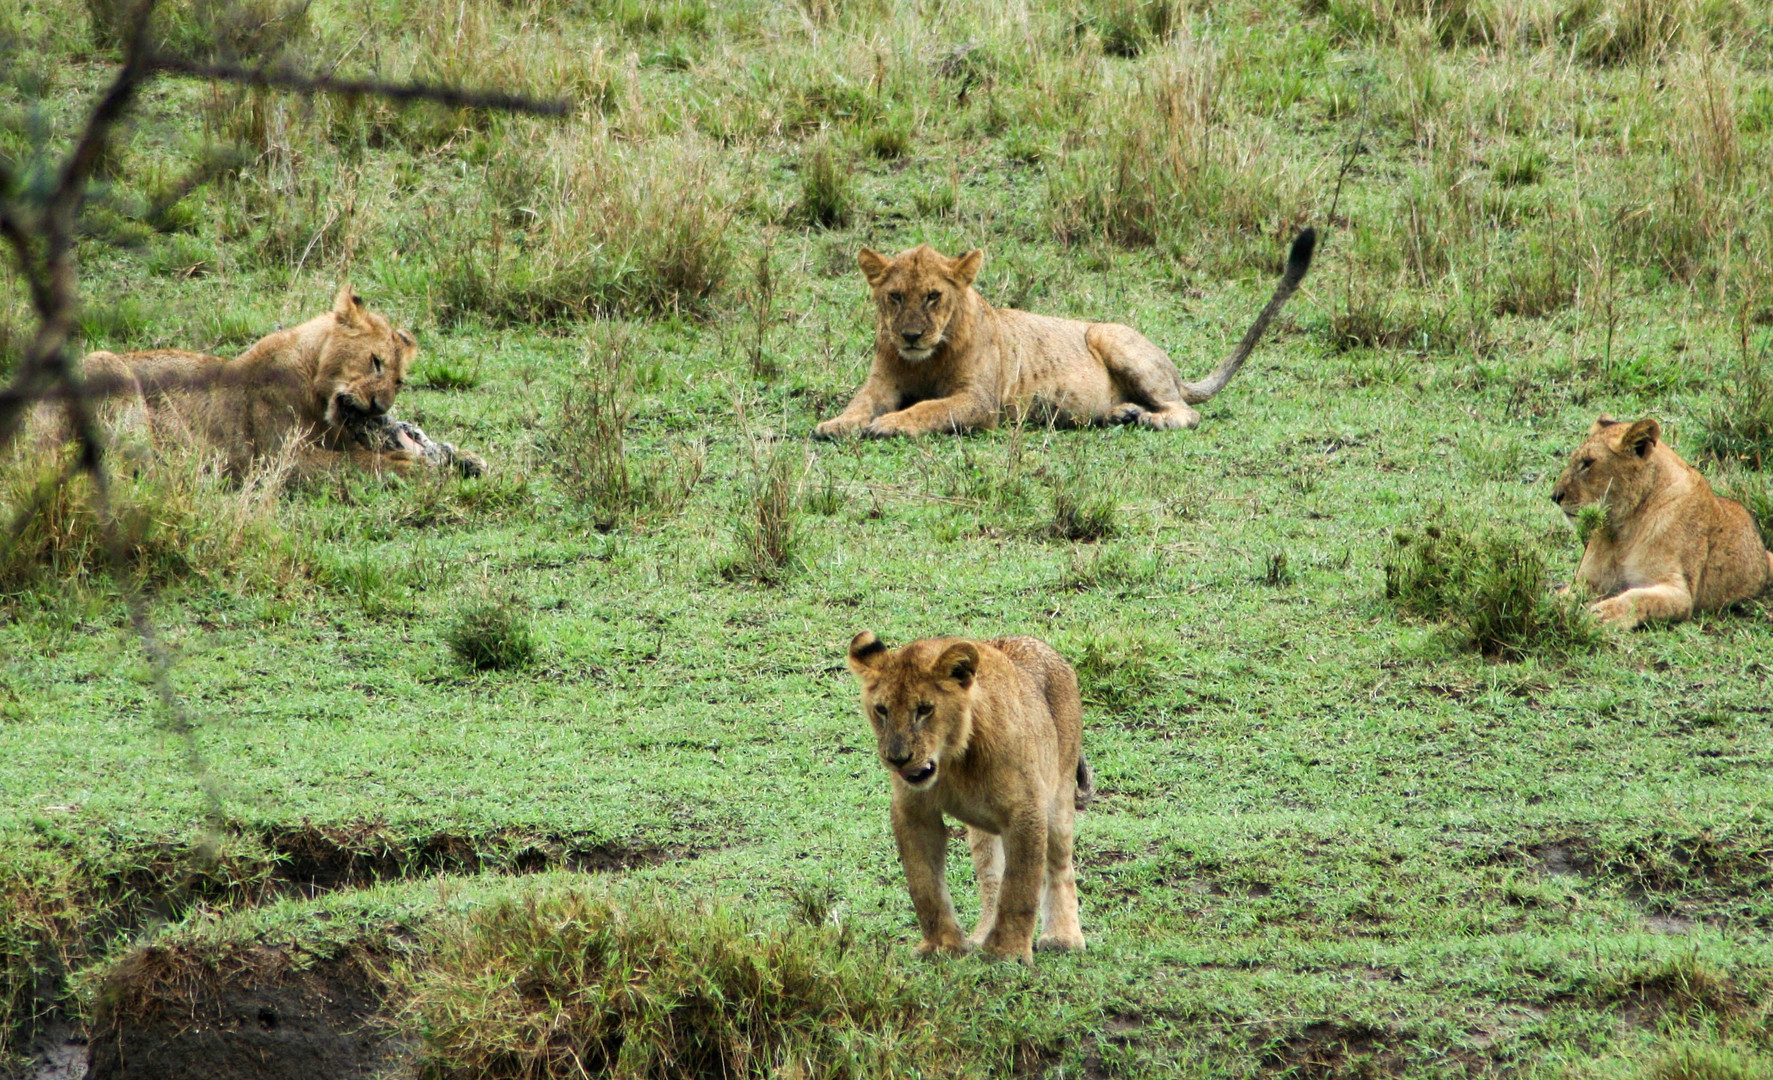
(1298, 262)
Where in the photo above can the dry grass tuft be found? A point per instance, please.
(587, 226)
(177, 514)
(568, 984)
(587, 443)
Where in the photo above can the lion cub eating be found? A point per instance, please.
(990, 733)
(945, 360)
(323, 388)
(1667, 545)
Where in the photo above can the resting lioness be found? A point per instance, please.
(322, 389)
(945, 360)
(988, 732)
(1666, 545)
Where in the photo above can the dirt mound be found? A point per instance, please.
(166, 1016)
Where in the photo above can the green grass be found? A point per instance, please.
(1330, 839)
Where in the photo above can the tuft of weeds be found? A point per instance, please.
(889, 140)
(1082, 510)
(1492, 588)
(492, 634)
(1738, 427)
(587, 443)
(1277, 571)
(761, 304)
(763, 529)
(826, 187)
(569, 984)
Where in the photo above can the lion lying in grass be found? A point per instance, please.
(1666, 545)
(320, 390)
(988, 732)
(945, 360)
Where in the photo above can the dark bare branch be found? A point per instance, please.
(284, 78)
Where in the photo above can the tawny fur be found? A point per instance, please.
(1667, 545)
(989, 733)
(312, 389)
(945, 360)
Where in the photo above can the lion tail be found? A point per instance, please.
(1298, 262)
(1086, 782)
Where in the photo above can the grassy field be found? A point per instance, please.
(586, 722)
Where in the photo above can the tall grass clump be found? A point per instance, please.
(567, 985)
(586, 225)
(1493, 590)
(1130, 27)
(587, 448)
(763, 530)
(492, 634)
(176, 515)
(1164, 168)
(826, 190)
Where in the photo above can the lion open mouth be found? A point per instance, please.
(918, 774)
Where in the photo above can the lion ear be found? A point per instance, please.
(874, 265)
(966, 268)
(958, 662)
(1641, 437)
(866, 653)
(348, 306)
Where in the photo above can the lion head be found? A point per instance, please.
(1610, 469)
(918, 296)
(362, 363)
(919, 700)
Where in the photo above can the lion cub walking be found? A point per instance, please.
(990, 733)
(1669, 546)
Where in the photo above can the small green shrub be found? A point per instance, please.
(1493, 589)
(444, 374)
(492, 635)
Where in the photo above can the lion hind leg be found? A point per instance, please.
(988, 868)
(1148, 389)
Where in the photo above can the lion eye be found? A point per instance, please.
(924, 711)
(880, 711)
(376, 360)
(1585, 463)
(897, 298)
(932, 298)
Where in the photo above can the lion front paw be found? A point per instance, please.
(945, 946)
(836, 428)
(1059, 943)
(1615, 612)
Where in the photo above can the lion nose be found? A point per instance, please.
(898, 758)
(912, 337)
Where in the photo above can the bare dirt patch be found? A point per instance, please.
(256, 1015)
